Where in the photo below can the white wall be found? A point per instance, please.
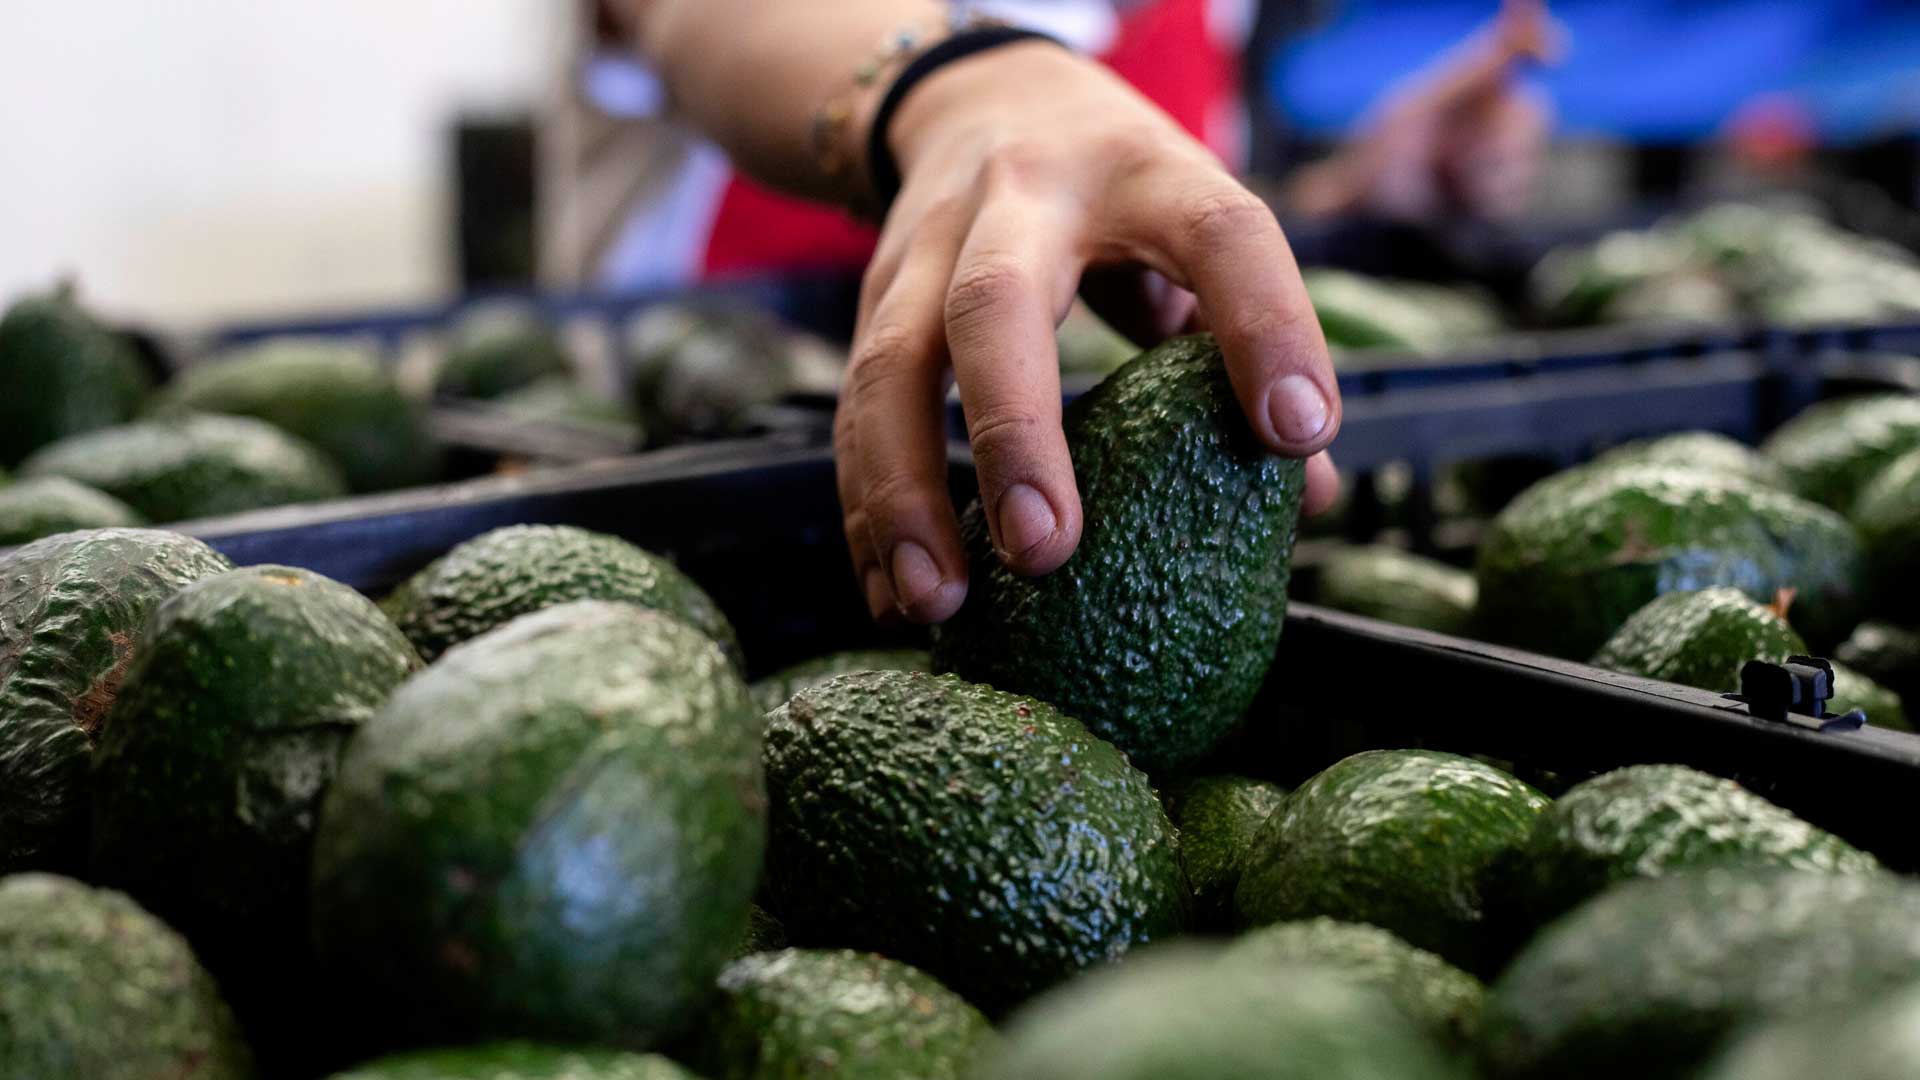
(194, 160)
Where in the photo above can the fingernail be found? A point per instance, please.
(879, 597)
(1297, 409)
(1026, 519)
(915, 577)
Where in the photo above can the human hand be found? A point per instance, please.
(1025, 168)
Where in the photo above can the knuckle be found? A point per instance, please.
(989, 283)
(1223, 214)
(883, 358)
(1003, 429)
(1016, 165)
(1270, 330)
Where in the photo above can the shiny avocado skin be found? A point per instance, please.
(1700, 450)
(1874, 1042)
(1443, 1000)
(801, 1013)
(1574, 556)
(1647, 979)
(778, 688)
(984, 837)
(1398, 838)
(1699, 639)
(1654, 820)
(509, 572)
(1218, 817)
(1159, 630)
(97, 988)
(72, 612)
(193, 466)
(338, 398)
(518, 1061)
(1386, 583)
(35, 509)
(63, 373)
(1888, 516)
(1832, 450)
(553, 832)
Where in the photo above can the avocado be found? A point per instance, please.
(553, 832)
(496, 350)
(1652, 820)
(1704, 450)
(764, 933)
(1888, 517)
(982, 836)
(1584, 284)
(1874, 1041)
(518, 1061)
(61, 374)
(97, 989)
(1853, 690)
(1218, 817)
(1397, 838)
(33, 509)
(1383, 582)
(1575, 555)
(226, 731)
(698, 373)
(1831, 451)
(1648, 978)
(561, 401)
(1179, 1013)
(72, 612)
(774, 690)
(339, 398)
(1700, 639)
(1159, 630)
(506, 573)
(1088, 346)
(811, 1012)
(1360, 312)
(193, 466)
(1887, 654)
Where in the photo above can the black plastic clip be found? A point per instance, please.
(1795, 692)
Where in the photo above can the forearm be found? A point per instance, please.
(751, 74)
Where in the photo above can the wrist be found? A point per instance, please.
(974, 95)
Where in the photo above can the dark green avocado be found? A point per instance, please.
(1831, 451)
(33, 509)
(497, 350)
(97, 989)
(1654, 820)
(1853, 690)
(1885, 653)
(1888, 517)
(1398, 838)
(1179, 1013)
(1647, 979)
(699, 372)
(61, 374)
(518, 1061)
(339, 398)
(1699, 639)
(1386, 583)
(1873, 1042)
(1443, 1000)
(193, 466)
(850, 1015)
(1218, 817)
(982, 836)
(561, 401)
(764, 933)
(553, 832)
(1576, 554)
(1700, 450)
(776, 689)
(72, 609)
(1161, 627)
(510, 572)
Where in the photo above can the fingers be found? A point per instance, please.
(1323, 485)
(1140, 305)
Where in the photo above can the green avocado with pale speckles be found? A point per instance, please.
(1159, 630)
(801, 1013)
(1401, 839)
(61, 374)
(1832, 450)
(1699, 639)
(1876, 1041)
(509, 572)
(497, 350)
(1382, 582)
(1885, 653)
(518, 1061)
(778, 688)
(984, 837)
(1700, 450)
(1218, 817)
(1888, 517)
(38, 508)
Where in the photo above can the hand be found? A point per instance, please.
(1024, 169)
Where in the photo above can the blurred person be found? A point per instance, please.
(1009, 175)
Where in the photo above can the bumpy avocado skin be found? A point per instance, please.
(553, 832)
(339, 398)
(1648, 978)
(1159, 630)
(981, 836)
(1218, 817)
(1830, 451)
(1876, 1042)
(1853, 690)
(1700, 450)
(1654, 820)
(1182, 1014)
(1443, 1000)
(1575, 555)
(1386, 583)
(778, 688)
(72, 612)
(35, 509)
(1401, 839)
(97, 988)
(1888, 517)
(193, 466)
(518, 1061)
(61, 374)
(1699, 639)
(509, 572)
(801, 1013)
